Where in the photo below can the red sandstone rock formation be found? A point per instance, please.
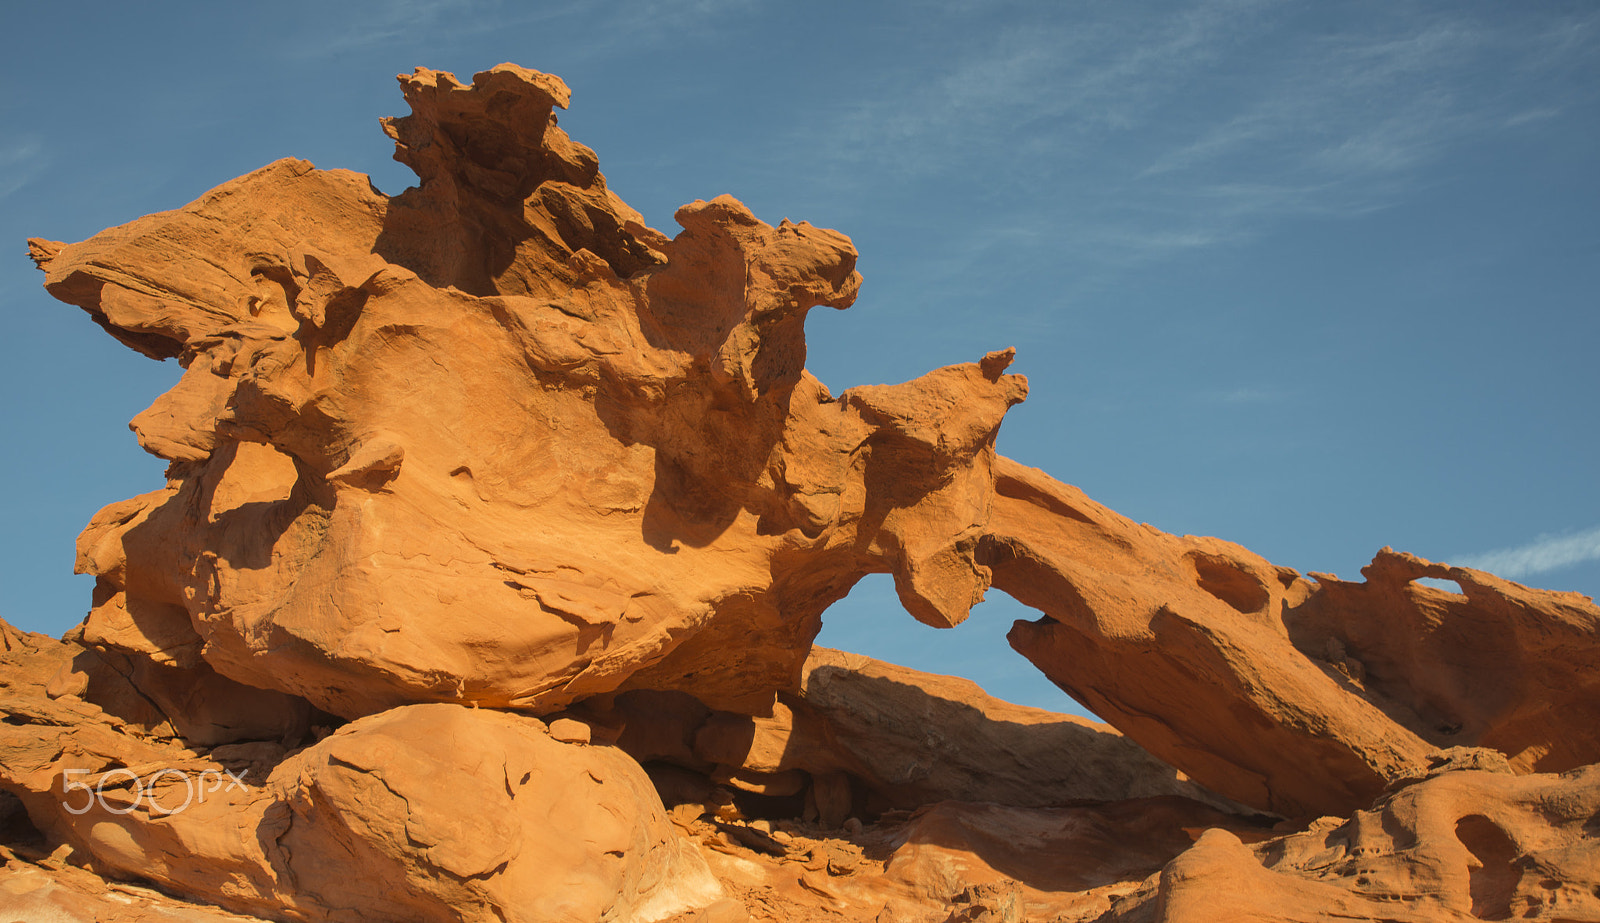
(862, 737)
(1292, 696)
(492, 451)
(1468, 844)
(493, 441)
(421, 812)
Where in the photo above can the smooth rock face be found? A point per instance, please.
(491, 448)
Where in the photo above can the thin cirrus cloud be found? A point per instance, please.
(1544, 554)
(1159, 134)
(368, 26)
(20, 164)
(609, 29)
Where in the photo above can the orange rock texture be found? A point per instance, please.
(495, 442)
(496, 532)
(1293, 695)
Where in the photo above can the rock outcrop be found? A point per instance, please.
(956, 861)
(496, 532)
(1463, 845)
(862, 737)
(422, 812)
(37, 894)
(1298, 696)
(495, 442)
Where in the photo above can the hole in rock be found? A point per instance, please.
(1449, 586)
(1231, 583)
(678, 785)
(871, 621)
(1493, 880)
(17, 831)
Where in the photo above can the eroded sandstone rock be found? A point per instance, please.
(424, 812)
(888, 737)
(1497, 665)
(1464, 845)
(954, 862)
(1290, 695)
(63, 894)
(493, 441)
(1059, 860)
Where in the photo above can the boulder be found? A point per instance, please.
(424, 812)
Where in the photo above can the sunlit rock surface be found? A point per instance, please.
(498, 526)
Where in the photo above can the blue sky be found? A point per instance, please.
(1313, 277)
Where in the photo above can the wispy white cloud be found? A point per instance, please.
(611, 28)
(1568, 37)
(21, 162)
(1151, 134)
(1541, 114)
(1543, 554)
(1073, 81)
(360, 26)
(1339, 132)
(624, 27)
(659, 12)
(1122, 243)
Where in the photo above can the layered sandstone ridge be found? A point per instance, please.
(497, 529)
